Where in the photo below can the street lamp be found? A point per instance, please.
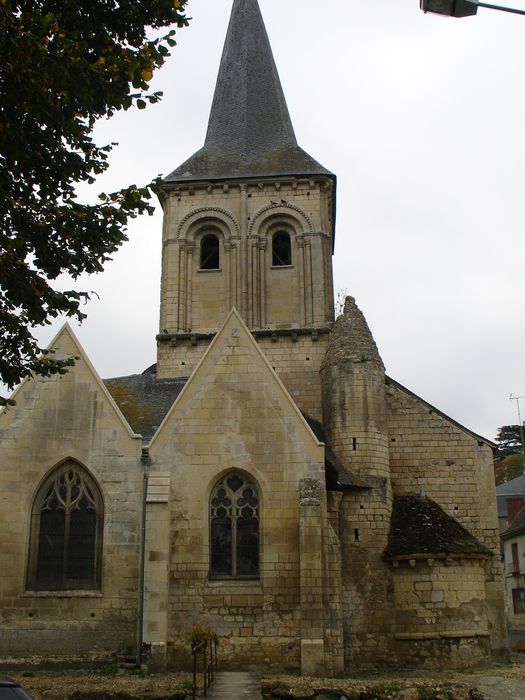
(461, 8)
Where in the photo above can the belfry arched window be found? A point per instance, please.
(66, 532)
(281, 249)
(210, 253)
(234, 528)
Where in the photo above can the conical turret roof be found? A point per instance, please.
(250, 133)
(351, 339)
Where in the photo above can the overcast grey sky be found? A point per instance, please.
(421, 118)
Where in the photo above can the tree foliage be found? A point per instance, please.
(63, 65)
(508, 468)
(508, 441)
(508, 462)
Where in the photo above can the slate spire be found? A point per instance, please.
(250, 133)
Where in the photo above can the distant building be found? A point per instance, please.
(511, 499)
(511, 514)
(314, 511)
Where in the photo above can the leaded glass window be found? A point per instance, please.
(234, 528)
(66, 532)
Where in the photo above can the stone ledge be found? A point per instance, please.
(419, 636)
(273, 333)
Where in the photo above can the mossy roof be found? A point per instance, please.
(144, 399)
(419, 527)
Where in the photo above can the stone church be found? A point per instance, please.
(264, 477)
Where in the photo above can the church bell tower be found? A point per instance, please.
(249, 218)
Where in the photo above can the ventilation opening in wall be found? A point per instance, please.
(357, 535)
(354, 444)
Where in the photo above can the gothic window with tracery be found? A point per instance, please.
(66, 532)
(281, 249)
(210, 253)
(234, 528)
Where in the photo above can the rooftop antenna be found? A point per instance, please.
(522, 431)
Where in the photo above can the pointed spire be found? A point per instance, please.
(250, 132)
(249, 111)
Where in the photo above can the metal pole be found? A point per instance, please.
(502, 9)
(522, 428)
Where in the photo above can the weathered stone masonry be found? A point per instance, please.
(317, 514)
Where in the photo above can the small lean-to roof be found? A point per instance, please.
(250, 133)
(144, 399)
(420, 527)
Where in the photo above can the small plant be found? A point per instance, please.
(140, 672)
(108, 669)
(201, 633)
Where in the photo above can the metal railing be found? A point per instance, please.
(207, 651)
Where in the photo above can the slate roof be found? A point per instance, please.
(144, 399)
(514, 487)
(420, 527)
(517, 526)
(250, 133)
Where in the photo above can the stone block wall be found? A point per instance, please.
(244, 216)
(234, 415)
(440, 607)
(296, 359)
(368, 606)
(454, 467)
(56, 419)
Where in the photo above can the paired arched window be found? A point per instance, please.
(234, 528)
(281, 249)
(66, 532)
(210, 253)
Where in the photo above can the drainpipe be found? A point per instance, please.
(140, 612)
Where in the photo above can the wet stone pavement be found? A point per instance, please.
(500, 687)
(235, 686)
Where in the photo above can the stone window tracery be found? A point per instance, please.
(66, 532)
(234, 528)
(210, 252)
(281, 249)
